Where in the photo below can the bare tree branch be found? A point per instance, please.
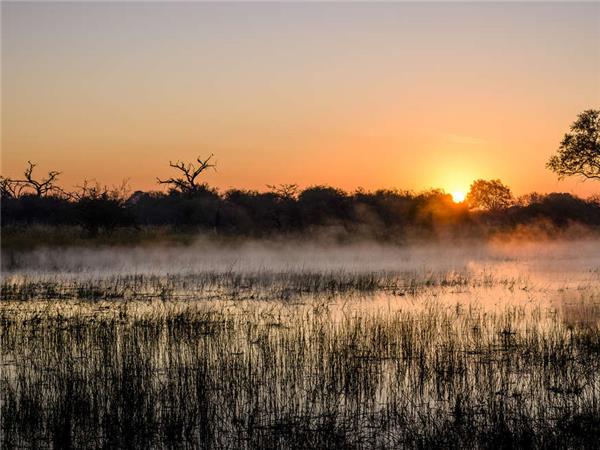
(187, 183)
(284, 190)
(43, 186)
(40, 188)
(10, 188)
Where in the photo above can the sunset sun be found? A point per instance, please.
(458, 196)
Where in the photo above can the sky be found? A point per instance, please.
(373, 95)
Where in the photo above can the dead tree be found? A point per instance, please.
(188, 184)
(40, 187)
(10, 188)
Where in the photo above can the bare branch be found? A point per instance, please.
(40, 187)
(284, 190)
(187, 183)
(10, 188)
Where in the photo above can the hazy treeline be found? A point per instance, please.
(378, 214)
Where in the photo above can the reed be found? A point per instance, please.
(358, 363)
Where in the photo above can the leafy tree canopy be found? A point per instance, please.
(579, 151)
(492, 195)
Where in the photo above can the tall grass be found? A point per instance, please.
(368, 363)
(270, 285)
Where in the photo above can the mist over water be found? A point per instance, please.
(550, 261)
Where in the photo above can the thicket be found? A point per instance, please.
(380, 214)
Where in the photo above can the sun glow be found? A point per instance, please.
(458, 196)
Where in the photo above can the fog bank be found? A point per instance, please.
(562, 259)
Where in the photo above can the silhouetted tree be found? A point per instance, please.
(39, 188)
(9, 188)
(492, 195)
(579, 151)
(560, 209)
(100, 207)
(530, 199)
(284, 209)
(285, 191)
(594, 199)
(324, 205)
(188, 184)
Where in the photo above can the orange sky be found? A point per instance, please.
(391, 95)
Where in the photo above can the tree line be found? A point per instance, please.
(189, 202)
(287, 209)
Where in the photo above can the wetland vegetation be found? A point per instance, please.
(264, 346)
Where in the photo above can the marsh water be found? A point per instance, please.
(302, 345)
